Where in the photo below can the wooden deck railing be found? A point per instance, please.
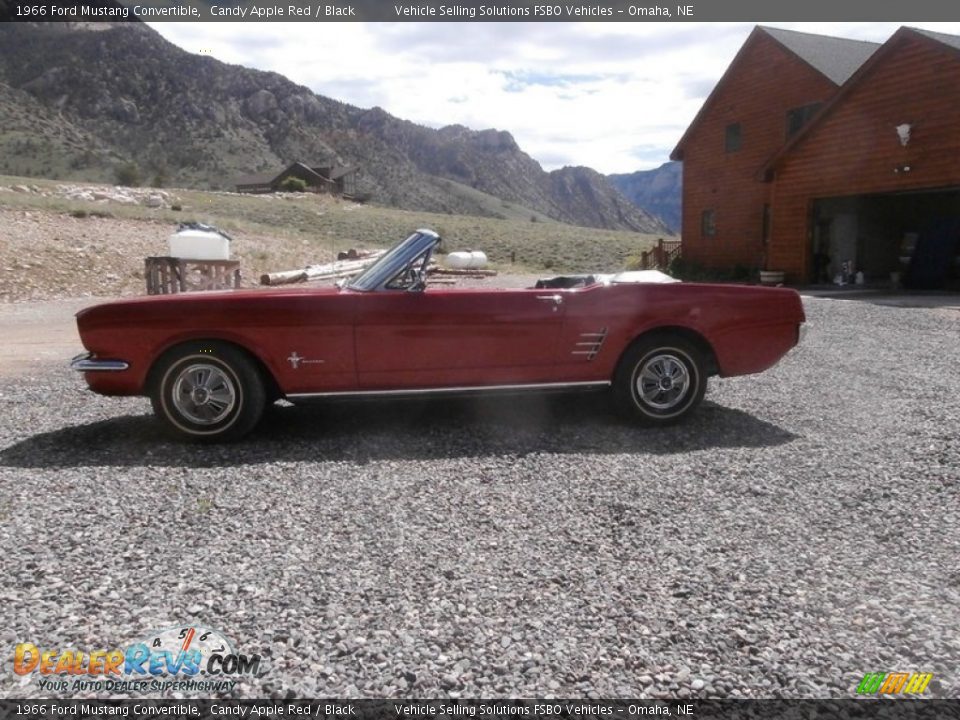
(660, 255)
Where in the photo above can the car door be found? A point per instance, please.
(442, 338)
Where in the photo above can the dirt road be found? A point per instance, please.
(37, 334)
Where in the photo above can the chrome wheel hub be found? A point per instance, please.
(663, 381)
(204, 394)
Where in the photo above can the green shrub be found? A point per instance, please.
(293, 184)
(742, 273)
(128, 175)
(90, 213)
(684, 269)
(695, 272)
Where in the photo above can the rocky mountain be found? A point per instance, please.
(108, 94)
(658, 191)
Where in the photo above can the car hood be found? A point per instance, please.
(204, 298)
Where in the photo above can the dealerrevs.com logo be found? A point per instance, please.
(176, 658)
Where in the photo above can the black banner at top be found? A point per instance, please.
(475, 11)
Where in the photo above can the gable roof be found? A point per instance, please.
(834, 58)
(339, 172)
(952, 41)
(269, 178)
(303, 168)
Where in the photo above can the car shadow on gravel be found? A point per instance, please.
(371, 431)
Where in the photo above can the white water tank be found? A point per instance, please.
(193, 244)
(467, 259)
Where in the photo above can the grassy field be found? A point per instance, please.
(318, 226)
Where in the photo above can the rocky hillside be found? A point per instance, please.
(659, 191)
(107, 95)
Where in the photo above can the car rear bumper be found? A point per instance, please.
(86, 362)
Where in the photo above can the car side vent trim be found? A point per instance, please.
(590, 344)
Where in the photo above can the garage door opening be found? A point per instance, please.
(910, 237)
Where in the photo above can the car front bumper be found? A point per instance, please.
(86, 362)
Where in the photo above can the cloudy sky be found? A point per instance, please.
(613, 96)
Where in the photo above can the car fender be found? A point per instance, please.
(237, 339)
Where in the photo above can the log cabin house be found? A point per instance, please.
(336, 180)
(821, 156)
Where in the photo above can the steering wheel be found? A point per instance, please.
(418, 279)
(412, 278)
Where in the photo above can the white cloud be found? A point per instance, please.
(613, 96)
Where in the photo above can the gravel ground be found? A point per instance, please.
(802, 529)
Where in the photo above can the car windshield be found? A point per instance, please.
(394, 260)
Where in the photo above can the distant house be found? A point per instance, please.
(336, 180)
(815, 154)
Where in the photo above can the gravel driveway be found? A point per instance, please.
(802, 529)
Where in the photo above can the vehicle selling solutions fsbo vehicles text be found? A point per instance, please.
(571, 12)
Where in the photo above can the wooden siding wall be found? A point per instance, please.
(765, 82)
(854, 150)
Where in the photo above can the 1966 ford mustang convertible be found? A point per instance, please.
(210, 362)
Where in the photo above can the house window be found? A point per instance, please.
(733, 137)
(708, 224)
(799, 116)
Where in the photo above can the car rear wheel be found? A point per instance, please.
(209, 392)
(660, 380)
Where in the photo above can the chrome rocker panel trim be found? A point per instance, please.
(469, 390)
(85, 363)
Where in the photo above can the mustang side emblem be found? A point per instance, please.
(295, 361)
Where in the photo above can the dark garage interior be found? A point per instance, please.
(911, 238)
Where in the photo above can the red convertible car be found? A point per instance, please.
(211, 361)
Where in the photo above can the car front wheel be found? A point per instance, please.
(208, 392)
(660, 380)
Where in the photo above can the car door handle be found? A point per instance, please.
(555, 299)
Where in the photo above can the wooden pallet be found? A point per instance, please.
(170, 275)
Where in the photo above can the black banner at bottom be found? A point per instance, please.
(447, 709)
